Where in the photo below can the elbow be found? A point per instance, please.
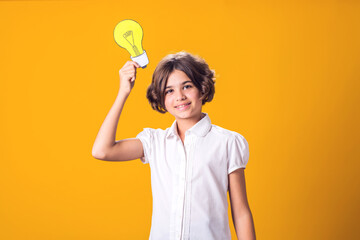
(98, 154)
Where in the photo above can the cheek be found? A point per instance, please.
(167, 101)
(194, 95)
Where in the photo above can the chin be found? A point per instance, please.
(187, 114)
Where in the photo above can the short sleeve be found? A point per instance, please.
(147, 138)
(238, 153)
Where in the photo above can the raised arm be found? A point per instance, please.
(105, 147)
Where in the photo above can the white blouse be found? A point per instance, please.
(190, 181)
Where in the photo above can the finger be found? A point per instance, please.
(128, 64)
(130, 75)
(136, 64)
(129, 71)
(130, 68)
(131, 65)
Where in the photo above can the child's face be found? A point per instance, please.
(180, 90)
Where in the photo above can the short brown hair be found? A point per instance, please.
(193, 66)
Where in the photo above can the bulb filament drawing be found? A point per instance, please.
(129, 34)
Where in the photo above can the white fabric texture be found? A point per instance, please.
(190, 181)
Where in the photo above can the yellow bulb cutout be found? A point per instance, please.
(128, 34)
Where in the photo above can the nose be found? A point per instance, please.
(180, 96)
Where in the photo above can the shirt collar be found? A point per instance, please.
(201, 128)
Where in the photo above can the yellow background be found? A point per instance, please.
(287, 79)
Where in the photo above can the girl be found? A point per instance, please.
(193, 163)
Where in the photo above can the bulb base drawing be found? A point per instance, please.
(142, 59)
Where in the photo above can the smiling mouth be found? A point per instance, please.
(180, 106)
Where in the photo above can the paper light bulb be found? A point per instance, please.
(128, 34)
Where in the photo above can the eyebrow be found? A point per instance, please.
(182, 84)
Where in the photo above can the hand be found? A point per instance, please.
(127, 76)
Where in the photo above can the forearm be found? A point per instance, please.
(244, 227)
(107, 133)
